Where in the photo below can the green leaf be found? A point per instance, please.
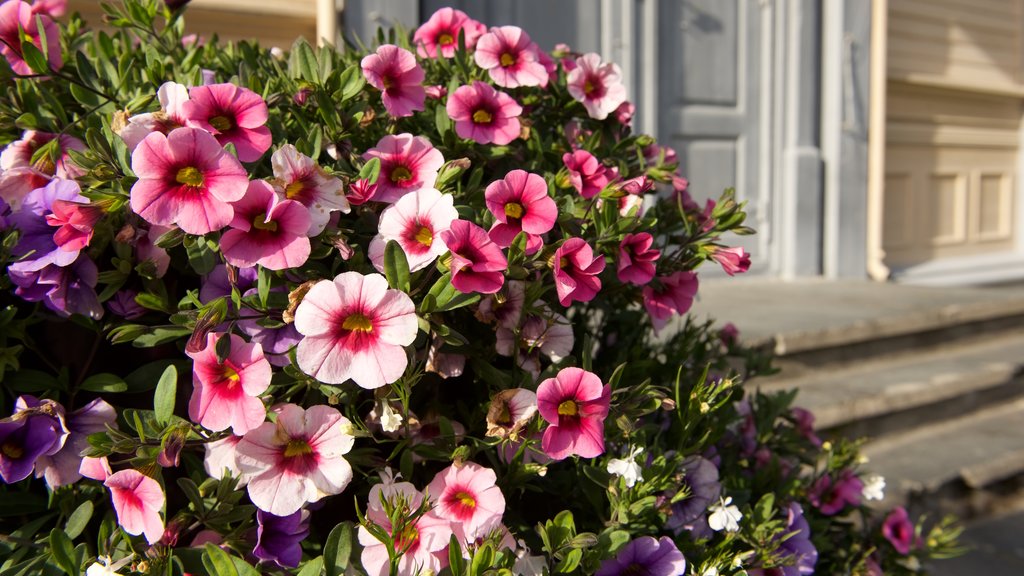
(482, 560)
(29, 380)
(455, 560)
(63, 551)
(570, 562)
(217, 562)
(305, 59)
(352, 82)
(160, 335)
(200, 256)
(163, 398)
(371, 170)
(396, 266)
(262, 284)
(338, 549)
(78, 520)
(223, 347)
(104, 382)
(313, 567)
(145, 377)
(34, 57)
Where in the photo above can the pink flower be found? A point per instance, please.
(407, 163)
(598, 86)
(137, 502)
(478, 265)
(575, 404)
(297, 459)
(637, 258)
(510, 57)
(900, 531)
(624, 113)
(52, 8)
(483, 114)
(416, 222)
(520, 202)
(17, 17)
(546, 332)
(442, 30)
(673, 295)
(219, 461)
(394, 72)
(733, 260)
(232, 114)
(510, 411)
(19, 175)
(422, 539)
(227, 393)
(831, 497)
(298, 177)
(467, 495)
(576, 269)
(586, 173)
(266, 230)
(95, 468)
(75, 222)
(355, 327)
(361, 191)
(186, 178)
(172, 97)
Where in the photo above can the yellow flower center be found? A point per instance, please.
(260, 223)
(425, 236)
(388, 82)
(466, 499)
(357, 323)
(231, 375)
(482, 117)
(294, 189)
(514, 210)
(189, 176)
(221, 123)
(401, 174)
(445, 39)
(588, 87)
(12, 450)
(563, 262)
(507, 60)
(297, 447)
(568, 408)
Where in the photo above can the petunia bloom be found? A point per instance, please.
(65, 290)
(510, 58)
(483, 114)
(219, 459)
(520, 203)
(586, 174)
(647, 556)
(233, 114)
(186, 178)
(19, 175)
(137, 502)
(172, 97)
(75, 222)
(355, 327)
(701, 480)
(597, 85)
(545, 332)
(298, 177)
(510, 411)
(637, 258)
(297, 459)
(831, 496)
(37, 247)
(467, 495)
(63, 467)
(394, 71)
(477, 265)
(266, 230)
(733, 260)
(674, 295)
(899, 531)
(576, 269)
(441, 33)
(36, 429)
(226, 394)
(416, 221)
(575, 405)
(279, 538)
(407, 163)
(17, 17)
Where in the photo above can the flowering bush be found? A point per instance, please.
(432, 298)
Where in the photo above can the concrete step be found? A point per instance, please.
(970, 466)
(887, 396)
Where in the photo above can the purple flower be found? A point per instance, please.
(35, 429)
(61, 468)
(799, 544)
(701, 476)
(646, 556)
(217, 284)
(123, 304)
(36, 247)
(65, 290)
(276, 342)
(279, 538)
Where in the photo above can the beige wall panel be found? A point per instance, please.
(993, 205)
(898, 219)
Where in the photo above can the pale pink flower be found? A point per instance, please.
(510, 411)
(394, 72)
(478, 264)
(297, 459)
(407, 163)
(510, 57)
(587, 175)
(219, 460)
(226, 394)
(442, 30)
(172, 97)
(137, 502)
(186, 178)
(575, 405)
(75, 222)
(637, 258)
(546, 332)
(484, 114)
(576, 269)
(597, 85)
(444, 364)
(505, 307)
(733, 260)
(520, 203)
(95, 468)
(19, 175)
(232, 114)
(673, 295)
(416, 222)
(298, 177)
(17, 18)
(624, 113)
(355, 327)
(468, 495)
(266, 230)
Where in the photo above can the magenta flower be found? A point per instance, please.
(361, 191)
(467, 495)
(637, 258)
(520, 203)
(137, 502)
(266, 230)
(673, 295)
(394, 72)
(355, 327)
(75, 222)
(576, 269)
(297, 459)
(226, 394)
(416, 222)
(441, 32)
(575, 404)
(232, 114)
(586, 173)
(597, 85)
(733, 260)
(186, 178)
(483, 114)
(899, 531)
(407, 163)
(298, 177)
(478, 265)
(510, 57)
(17, 17)
(832, 496)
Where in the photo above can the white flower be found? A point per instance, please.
(527, 565)
(874, 487)
(104, 568)
(627, 467)
(710, 571)
(390, 421)
(724, 516)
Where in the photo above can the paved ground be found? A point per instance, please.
(997, 550)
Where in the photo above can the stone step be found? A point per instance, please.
(968, 466)
(886, 396)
